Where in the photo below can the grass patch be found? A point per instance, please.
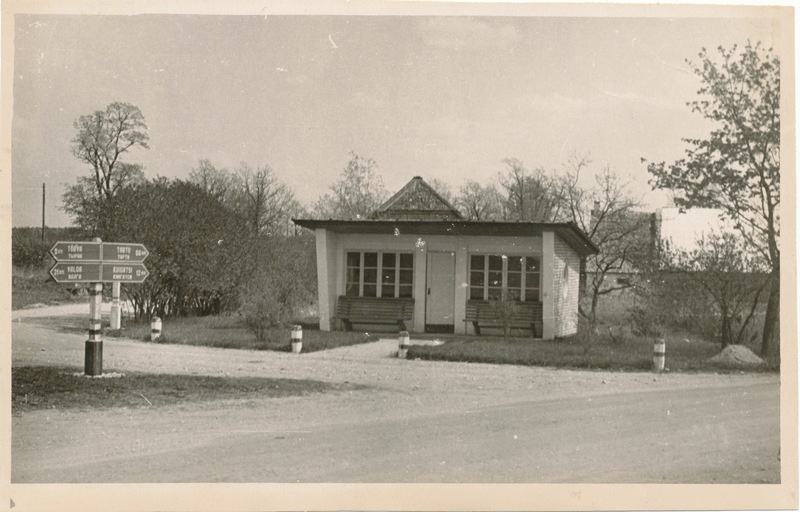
(597, 353)
(44, 387)
(30, 285)
(223, 331)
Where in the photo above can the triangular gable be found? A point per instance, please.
(419, 201)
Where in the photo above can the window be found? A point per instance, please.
(492, 277)
(396, 271)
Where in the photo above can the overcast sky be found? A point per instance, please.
(440, 97)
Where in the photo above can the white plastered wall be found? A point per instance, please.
(331, 255)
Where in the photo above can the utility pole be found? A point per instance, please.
(43, 200)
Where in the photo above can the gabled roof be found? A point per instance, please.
(416, 201)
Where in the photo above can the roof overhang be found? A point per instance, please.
(567, 231)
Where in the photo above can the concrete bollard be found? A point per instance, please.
(155, 328)
(659, 355)
(403, 343)
(297, 339)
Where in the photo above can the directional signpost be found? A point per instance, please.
(99, 262)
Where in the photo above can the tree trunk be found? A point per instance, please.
(771, 337)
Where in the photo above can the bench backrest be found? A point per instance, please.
(375, 307)
(487, 310)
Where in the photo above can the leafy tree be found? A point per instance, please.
(198, 248)
(357, 194)
(730, 275)
(478, 202)
(736, 168)
(282, 283)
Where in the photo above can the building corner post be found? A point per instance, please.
(548, 285)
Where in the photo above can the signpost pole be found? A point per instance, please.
(116, 310)
(93, 362)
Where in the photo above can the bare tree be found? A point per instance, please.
(218, 183)
(101, 140)
(103, 137)
(357, 194)
(607, 213)
(264, 201)
(478, 202)
(530, 195)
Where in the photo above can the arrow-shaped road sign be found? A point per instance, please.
(124, 272)
(76, 251)
(76, 272)
(124, 252)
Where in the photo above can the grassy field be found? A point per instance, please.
(42, 387)
(598, 353)
(227, 331)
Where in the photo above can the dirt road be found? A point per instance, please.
(418, 421)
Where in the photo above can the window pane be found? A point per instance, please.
(406, 277)
(515, 264)
(370, 259)
(531, 294)
(514, 280)
(514, 294)
(532, 264)
(389, 259)
(476, 279)
(370, 275)
(406, 260)
(405, 291)
(387, 290)
(353, 259)
(351, 289)
(495, 293)
(476, 293)
(495, 263)
(495, 279)
(370, 290)
(531, 280)
(476, 262)
(388, 276)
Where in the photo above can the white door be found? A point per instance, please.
(440, 293)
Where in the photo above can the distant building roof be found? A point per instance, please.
(416, 201)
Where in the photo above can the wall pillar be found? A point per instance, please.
(462, 288)
(420, 284)
(548, 285)
(326, 272)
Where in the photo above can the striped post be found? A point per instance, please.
(659, 355)
(93, 357)
(403, 343)
(155, 328)
(297, 339)
(116, 311)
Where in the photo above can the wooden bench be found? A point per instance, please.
(374, 310)
(525, 315)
